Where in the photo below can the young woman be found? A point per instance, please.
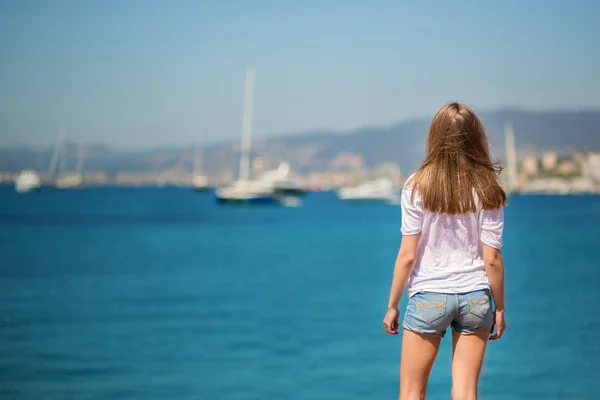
(449, 259)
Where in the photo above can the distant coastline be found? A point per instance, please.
(564, 132)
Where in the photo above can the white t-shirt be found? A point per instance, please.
(450, 254)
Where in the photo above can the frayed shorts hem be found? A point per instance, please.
(421, 333)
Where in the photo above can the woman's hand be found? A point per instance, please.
(390, 321)
(500, 325)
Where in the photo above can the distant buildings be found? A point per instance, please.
(577, 173)
(331, 180)
(348, 161)
(389, 170)
(590, 168)
(549, 160)
(530, 165)
(567, 168)
(96, 177)
(7, 177)
(137, 178)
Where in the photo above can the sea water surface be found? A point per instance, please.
(119, 293)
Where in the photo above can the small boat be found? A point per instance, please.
(69, 181)
(199, 181)
(381, 190)
(284, 182)
(27, 181)
(66, 180)
(200, 184)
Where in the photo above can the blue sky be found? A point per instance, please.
(141, 73)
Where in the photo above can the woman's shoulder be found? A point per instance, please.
(409, 184)
(408, 196)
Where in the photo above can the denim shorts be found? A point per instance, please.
(430, 314)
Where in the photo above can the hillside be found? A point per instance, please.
(565, 131)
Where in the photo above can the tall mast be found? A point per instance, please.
(80, 158)
(197, 160)
(511, 159)
(56, 153)
(247, 126)
(62, 166)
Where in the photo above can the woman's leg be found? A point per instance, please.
(418, 355)
(467, 358)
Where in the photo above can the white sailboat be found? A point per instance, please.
(199, 180)
(27, 181)
(511, 180)
(62, 179)
(244, 190)
(71, 180)
(381, 190)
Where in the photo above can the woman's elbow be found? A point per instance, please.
(493, 260)
(407, 258)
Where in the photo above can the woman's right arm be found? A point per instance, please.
(494, 267)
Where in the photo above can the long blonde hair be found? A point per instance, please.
(458, 164)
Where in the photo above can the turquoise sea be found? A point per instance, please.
(122, 293)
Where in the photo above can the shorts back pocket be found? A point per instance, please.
(430, 306)
(479, 303)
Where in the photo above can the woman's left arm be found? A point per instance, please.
(405, 262)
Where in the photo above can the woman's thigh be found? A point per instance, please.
(418, 355)
(467, 358)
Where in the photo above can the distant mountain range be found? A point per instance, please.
(403, 143)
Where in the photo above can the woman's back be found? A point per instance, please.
(450, 256)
